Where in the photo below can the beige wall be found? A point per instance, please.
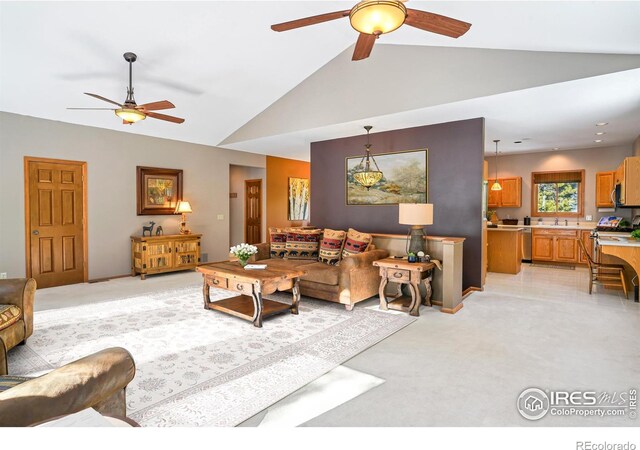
(112, 157)
(237, 177)
(592, 160)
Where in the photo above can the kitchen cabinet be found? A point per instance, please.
(628, 177)
(605, 183)
(553, 245)
(510, 196)
(588, 243)
(504, 250)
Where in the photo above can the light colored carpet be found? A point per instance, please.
(204, 368)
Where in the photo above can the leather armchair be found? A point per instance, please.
(18, 292)
(97, 381)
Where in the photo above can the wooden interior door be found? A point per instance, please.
(253, 211)
(55, 208)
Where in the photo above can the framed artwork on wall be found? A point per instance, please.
(298, 199)
(158, 190)
(404, 179)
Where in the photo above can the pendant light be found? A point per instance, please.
(496, 186)
(365, 175)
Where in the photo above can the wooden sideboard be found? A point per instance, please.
(168, 253)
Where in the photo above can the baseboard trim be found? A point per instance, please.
(469, 290)
(100, 280)
(452, 311)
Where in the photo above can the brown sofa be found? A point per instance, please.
(354, 280)
(16, 310)
(97, 381)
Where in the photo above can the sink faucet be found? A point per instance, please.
(556, 223)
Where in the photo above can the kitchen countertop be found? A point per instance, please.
(511, 228)
(617, 240)
(586, 226)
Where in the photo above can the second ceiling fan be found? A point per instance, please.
(373, 18)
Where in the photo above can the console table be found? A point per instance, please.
(168, 253)
(403, 272)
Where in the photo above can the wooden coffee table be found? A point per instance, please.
(252, 285)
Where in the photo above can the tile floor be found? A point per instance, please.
(538, 328)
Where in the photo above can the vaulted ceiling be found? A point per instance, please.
(546, 71)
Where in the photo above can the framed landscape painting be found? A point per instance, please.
(404, 179)
(158, 190)
(298, 199)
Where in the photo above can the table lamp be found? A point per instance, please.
(417, 215)
(183, 208)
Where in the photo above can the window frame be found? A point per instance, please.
(534, 195)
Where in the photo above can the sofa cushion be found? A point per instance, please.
(303, 244)
(9, 381)
(331, 246)
(9, 314)
(277, 242)
(321, 273)
(356, 242)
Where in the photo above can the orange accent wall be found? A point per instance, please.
(278, 172)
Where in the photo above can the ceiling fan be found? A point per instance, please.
(371, 18)
(129, 111)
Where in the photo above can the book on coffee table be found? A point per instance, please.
(255, 266)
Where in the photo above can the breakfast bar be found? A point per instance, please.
(623, 247)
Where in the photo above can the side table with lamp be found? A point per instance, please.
(412, 271)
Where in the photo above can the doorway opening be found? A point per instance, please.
(246, 204)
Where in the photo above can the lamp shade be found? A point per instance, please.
(416, 213)
(183, 207)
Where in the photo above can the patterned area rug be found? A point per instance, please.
(204, 368)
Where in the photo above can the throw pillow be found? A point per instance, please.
(303, 244)
(356, 243)
(331, 246)
(278, 242)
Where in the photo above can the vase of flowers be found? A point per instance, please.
(243, 252)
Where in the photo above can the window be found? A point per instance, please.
(557, 194)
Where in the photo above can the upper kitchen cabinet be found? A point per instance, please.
(628, 177)
(605, 183)
(510, 196)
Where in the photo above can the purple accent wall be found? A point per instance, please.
(456, 154)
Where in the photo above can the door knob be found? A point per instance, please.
(35, 232)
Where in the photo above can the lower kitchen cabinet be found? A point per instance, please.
(550, 244)
(585, 236)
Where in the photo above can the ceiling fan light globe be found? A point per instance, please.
(378, 16)
(130, 115)
(496, 187)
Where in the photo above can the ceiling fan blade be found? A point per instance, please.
(155, 106)
(124, 122)
(436, 23)
(363, 46)
(165, 117)
(102, 98)
(310, 20)
(108, 109)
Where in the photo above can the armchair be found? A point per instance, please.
(16, 310)
(97, 381)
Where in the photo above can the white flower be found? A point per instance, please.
(244, 251)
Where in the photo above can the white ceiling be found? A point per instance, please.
(221, 65)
